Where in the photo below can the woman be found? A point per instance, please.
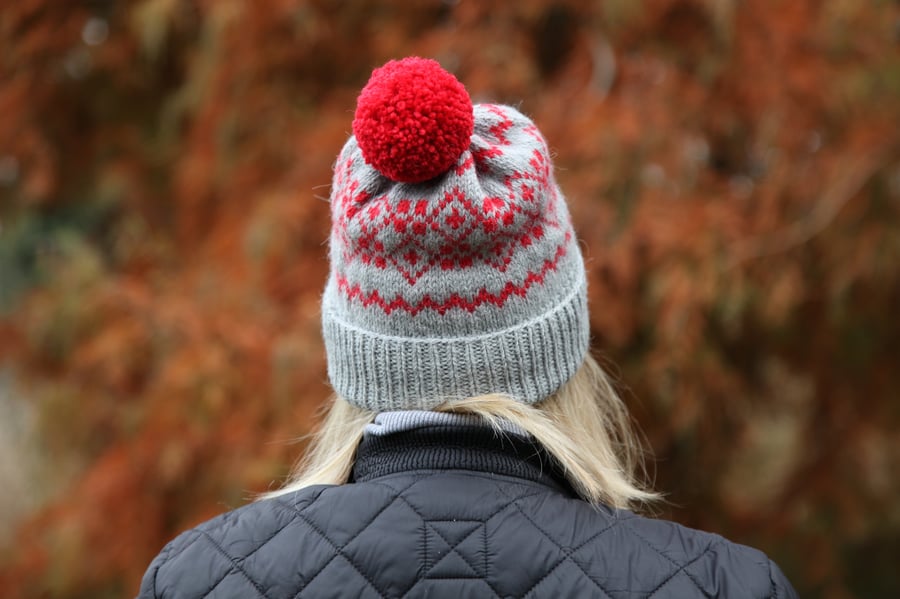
(474, 448)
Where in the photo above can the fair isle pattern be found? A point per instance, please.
(499, 201)
(466, 284)
(454, 300)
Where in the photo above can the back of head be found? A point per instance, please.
(457, 284)
(454, 268)
(457, 301)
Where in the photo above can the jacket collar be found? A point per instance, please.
(472, 448)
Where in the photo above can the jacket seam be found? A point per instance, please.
(511, 501)
(305, 585)
(189, 539)
(234, 565)
(263, 543)
(774, 587)
(566, 555)
(680, 568)
(164, 557)
(340, 550)
(424, 562)
(539, 486)
(217, 583)
(484, 539)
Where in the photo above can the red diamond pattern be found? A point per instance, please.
(450, 230)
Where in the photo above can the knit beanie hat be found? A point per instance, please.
(455, 271)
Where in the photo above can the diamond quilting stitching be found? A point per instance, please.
(432, 529)
(226, 517)
(298, 513)
(671, 577)
(337, 551)
(422, 516)
(325, 566)
(558, 565)
(262, 544)
(215, 585)
(234, 566)
(566, 553)
(486, 518)
(187, 541)
(679, 567)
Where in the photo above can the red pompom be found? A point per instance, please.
(413, 120)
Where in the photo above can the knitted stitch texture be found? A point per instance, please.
(468, 283)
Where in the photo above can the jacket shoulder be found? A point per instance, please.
(448, 531)
(211, 556)
(697, 563)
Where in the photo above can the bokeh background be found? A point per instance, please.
(733, 168)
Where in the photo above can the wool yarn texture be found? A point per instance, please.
(454, 268)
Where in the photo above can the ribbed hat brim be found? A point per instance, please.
(528, 362)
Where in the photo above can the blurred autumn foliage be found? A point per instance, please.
(732, 167)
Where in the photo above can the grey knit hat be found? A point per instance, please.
(455, 271)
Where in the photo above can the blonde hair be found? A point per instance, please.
(584, 426)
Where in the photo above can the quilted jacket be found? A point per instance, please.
(452, 513)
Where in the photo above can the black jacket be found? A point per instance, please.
(452, 513)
